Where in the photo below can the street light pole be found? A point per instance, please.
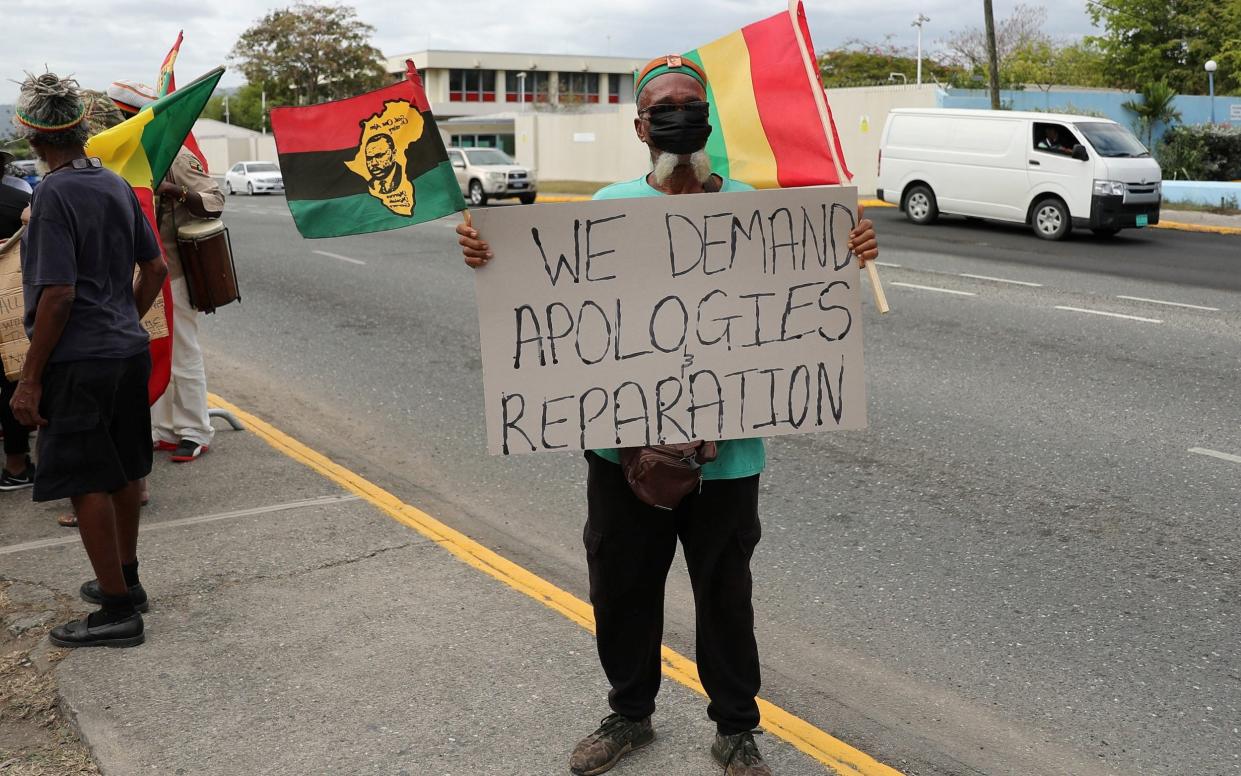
(1210, 67)
(918, 23)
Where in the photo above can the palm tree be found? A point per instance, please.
(1158, 106)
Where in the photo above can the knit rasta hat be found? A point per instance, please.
(50, 111)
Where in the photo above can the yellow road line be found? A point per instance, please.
(874, 203)
(1184, 227)
(832, 752)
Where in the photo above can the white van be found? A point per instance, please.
(1052, 171)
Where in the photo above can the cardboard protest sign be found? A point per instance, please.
(622, 323)
(13, 342)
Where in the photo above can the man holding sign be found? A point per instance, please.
(630, 544)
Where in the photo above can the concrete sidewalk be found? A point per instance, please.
(295, 629)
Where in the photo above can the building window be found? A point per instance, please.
(471, 85)
(614, 88)
(579, 87)
(535, 90)
(503, 142)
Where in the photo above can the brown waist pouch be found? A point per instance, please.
(662, 475)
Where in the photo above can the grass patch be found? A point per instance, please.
(1198, 207)
(584, 188)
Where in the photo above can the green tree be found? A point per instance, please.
(859, 62)
(309, 53)
(245, 107)
(1044, 64)
(1146, 41)
(1157, 107)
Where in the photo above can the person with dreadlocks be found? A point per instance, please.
(84, 382)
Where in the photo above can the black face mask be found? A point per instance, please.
(679, 131)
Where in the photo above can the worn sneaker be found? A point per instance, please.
(187, 450)
(616, 737)
(738, 755)
(9, 481)
(92, 593)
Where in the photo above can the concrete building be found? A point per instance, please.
(498, 87)
(224, 145)
(570, 118)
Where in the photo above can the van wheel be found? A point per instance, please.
(528, 199)
(228, 188)
(478, 197)
(920, 205)
(1051, 220)
(1105, 232)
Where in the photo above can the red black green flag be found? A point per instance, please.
(365, 164)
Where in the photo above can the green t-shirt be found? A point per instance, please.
(737, 457)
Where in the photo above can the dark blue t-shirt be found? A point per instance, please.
(87, 230)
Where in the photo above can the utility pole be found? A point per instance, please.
(993, 58)
(226, 121)
(918, 23)
(263, 101)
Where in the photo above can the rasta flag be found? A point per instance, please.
(167, 83)
(771, 124)
(365, 164)
(141, 150)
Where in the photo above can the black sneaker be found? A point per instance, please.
(25, 479)
(616, 737)
(105, 632)
(188, 450)
(92, 593)
(738, 755)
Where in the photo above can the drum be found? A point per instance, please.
(207, 260)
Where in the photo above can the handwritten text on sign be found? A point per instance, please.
(621, 323)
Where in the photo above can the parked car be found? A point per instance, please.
(1047, 170)
(489, 173)
(253, 178)
(27, 170)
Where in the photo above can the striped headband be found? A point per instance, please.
(26, 120)
(671, 63)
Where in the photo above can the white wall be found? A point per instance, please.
(860, 115)
(223, 152)
(598, 147)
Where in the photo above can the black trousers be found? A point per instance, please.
(16, 436)
(629, 549)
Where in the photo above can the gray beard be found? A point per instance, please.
(664, 164)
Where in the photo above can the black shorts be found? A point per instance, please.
(98, 433)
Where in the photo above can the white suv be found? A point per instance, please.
(489, 173)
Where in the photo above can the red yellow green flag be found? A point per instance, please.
(141, 150)
(772, 126)
(167, 84)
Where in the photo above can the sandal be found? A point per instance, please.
(69, 520)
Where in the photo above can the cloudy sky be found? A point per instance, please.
(102, 41)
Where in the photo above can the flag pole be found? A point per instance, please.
(820, 101)
(411, 73)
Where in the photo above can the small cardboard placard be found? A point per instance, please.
(13, 342)
(619, 323)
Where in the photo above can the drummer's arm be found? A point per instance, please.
(194, 202)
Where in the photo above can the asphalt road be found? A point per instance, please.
(1020, 568)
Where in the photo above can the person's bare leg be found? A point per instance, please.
(127, 503)
(97, 525)
(15, 464)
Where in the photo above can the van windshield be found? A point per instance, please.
(1112, 140)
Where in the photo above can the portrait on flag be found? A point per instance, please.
(365, 164)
